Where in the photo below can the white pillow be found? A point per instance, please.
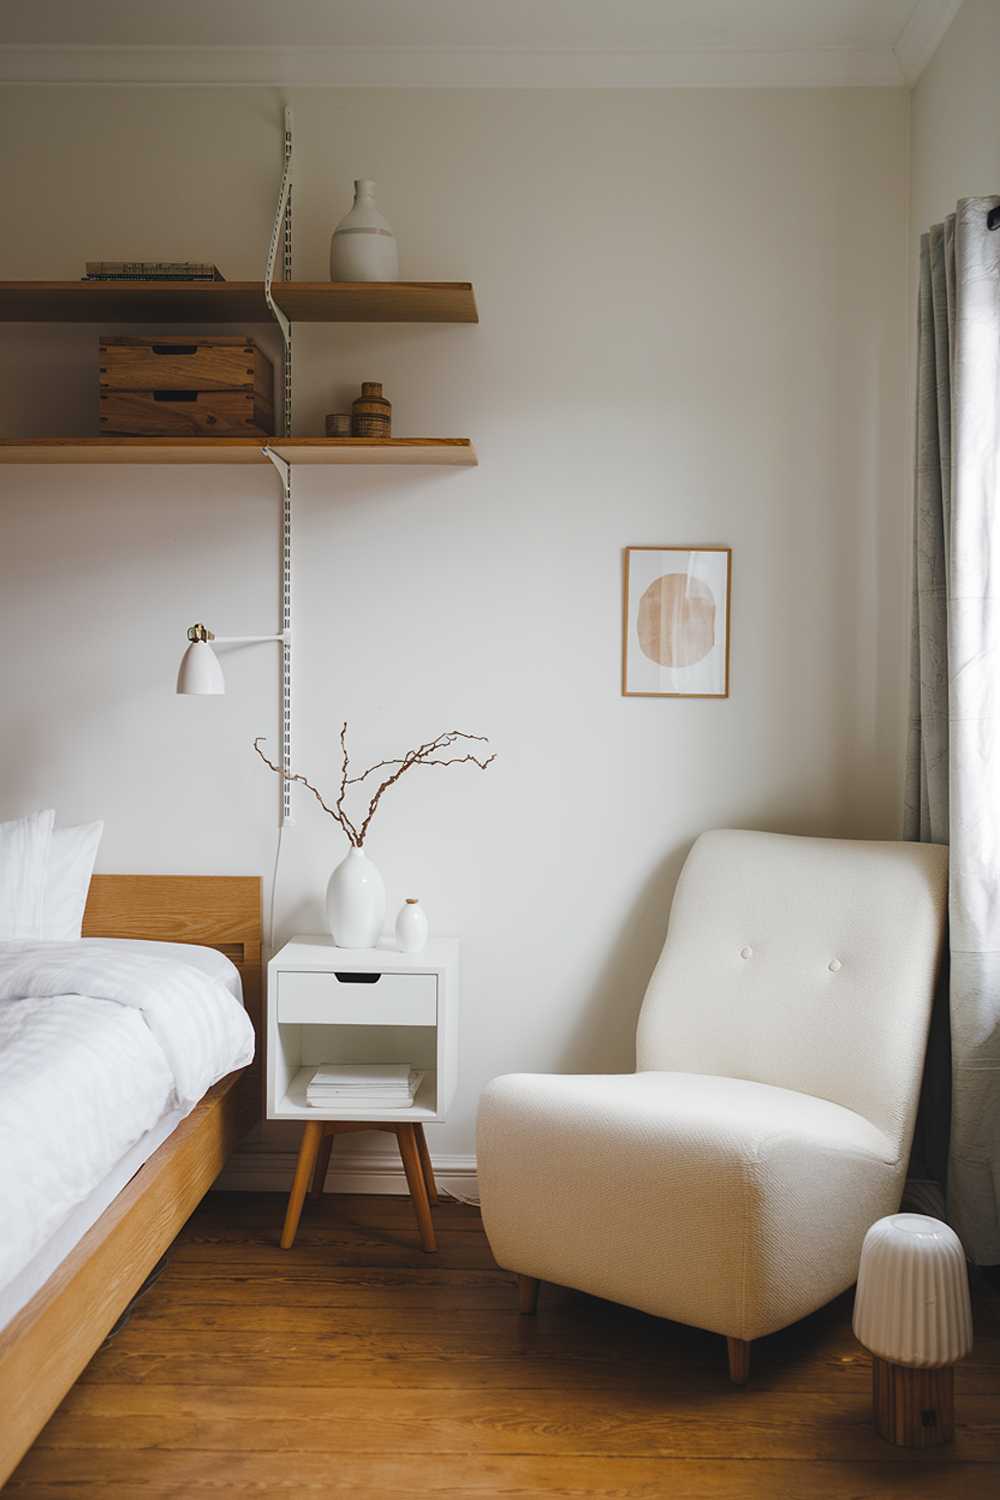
(71, 864)
(24, 861)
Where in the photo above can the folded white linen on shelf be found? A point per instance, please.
(96, 1044)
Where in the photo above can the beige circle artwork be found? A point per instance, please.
(676, 623)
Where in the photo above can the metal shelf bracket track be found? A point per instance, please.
(284, 471)
(281, 234)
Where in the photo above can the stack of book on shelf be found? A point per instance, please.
(152, 270)
(374, 1086)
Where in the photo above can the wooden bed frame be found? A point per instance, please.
(48, 1343)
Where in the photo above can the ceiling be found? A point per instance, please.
(639, 43)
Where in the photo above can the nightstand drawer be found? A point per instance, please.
(358, 999)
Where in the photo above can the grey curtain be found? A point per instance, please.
(953, 759)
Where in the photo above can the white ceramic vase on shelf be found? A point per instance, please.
(411, 926)
(363, 247)
(355, 902)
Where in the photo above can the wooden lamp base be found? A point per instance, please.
(913, 1408)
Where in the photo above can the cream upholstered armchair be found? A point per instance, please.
(728, 1183)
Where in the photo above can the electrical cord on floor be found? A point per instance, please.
(471, 1200)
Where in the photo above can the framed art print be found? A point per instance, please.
(676, 622)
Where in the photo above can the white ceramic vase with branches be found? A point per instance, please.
(355, 895)
(355, 902)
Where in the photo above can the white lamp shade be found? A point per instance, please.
(912, 1304)
(200, 671)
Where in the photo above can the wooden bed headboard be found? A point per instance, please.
(216, 911)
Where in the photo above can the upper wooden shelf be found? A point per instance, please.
(454, 452)
(236, 301)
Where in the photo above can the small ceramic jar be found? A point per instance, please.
(411, 926)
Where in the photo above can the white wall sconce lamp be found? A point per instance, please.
(200, 675)
(200, 670)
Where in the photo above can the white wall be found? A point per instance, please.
(956, 117)
(693, 330)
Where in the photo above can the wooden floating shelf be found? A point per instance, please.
(236, 301)
(456, 452)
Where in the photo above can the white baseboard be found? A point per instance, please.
(363, 1172)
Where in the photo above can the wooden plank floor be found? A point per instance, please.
(355, 1364)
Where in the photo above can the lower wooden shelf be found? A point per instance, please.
(456, 452)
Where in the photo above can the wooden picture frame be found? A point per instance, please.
(676, 621)
(46, 1345)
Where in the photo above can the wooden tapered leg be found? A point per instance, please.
(410, 1153)
(322, 1163)
(527, 1294)
(739, 1360)
(425, 1163)
(311, 1137)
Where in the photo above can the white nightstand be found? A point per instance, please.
(361, 1005)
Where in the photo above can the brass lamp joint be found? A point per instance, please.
(200, 633)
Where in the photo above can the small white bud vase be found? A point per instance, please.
(355, 902)
(411, 926)
(363, 247)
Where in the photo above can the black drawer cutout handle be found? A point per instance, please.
(355, 977)
(175, 395)
(175, 348)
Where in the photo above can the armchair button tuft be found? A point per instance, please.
(834, 965)
(746, 952)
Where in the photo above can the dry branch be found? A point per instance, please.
(423, 755)
(288, 776)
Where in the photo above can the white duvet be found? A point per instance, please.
(96, 1044)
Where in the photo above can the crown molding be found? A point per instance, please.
(457, 68)
(922, 34)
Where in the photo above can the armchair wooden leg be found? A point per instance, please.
(322, 1165)
(739, 1360)
(311, 1137)
(527, 1292)
(418, 1188)
(425, 1163)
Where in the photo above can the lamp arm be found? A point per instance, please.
(202, 633)
(230, 640)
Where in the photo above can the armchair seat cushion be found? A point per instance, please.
(731, 1205)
